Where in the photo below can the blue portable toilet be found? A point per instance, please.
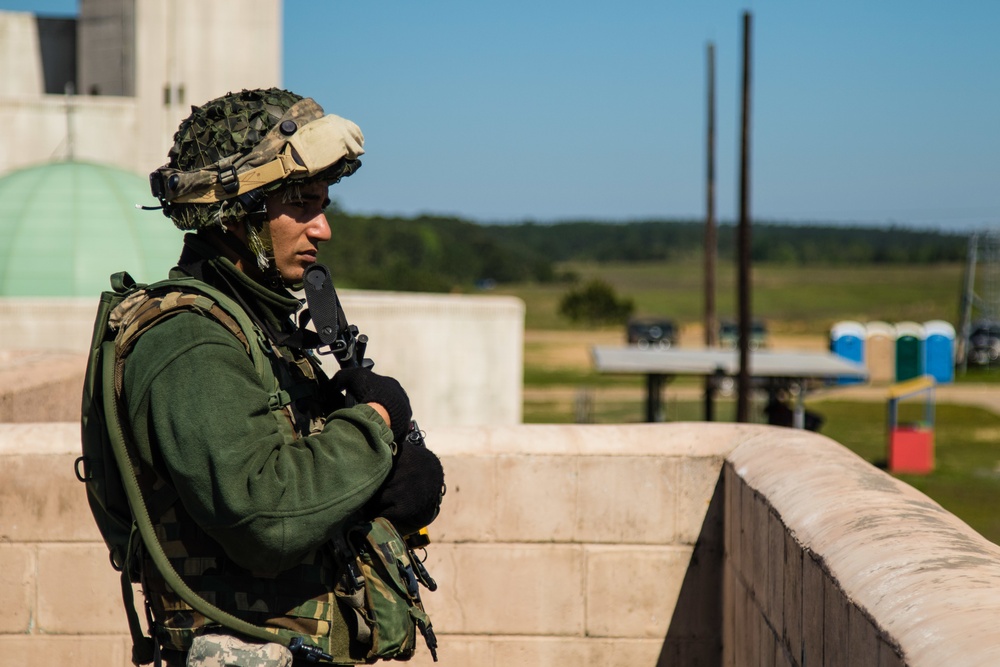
(847, 340)
(910, 338)
(939, 350)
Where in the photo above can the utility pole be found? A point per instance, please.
(743, 281)
(711, 242)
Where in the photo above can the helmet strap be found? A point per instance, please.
(259, 236)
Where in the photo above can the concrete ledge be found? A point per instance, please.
(897, 569)
(459, 356)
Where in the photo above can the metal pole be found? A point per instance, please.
(965, 314)
(711, 243)
(743, 282)
(654, 404)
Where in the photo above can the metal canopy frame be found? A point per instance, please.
(793, 370)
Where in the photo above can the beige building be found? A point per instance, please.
(135, 66)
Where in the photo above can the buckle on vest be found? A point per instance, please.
(279, 399)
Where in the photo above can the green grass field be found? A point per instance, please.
(792, 299)
(795, 301)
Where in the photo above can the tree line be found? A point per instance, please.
(430, 253)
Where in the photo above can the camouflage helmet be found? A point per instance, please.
(234, 151)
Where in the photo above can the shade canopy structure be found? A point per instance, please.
(65, 227)
(790, 369)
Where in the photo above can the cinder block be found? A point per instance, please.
(768, 646)
(761, 547)
(728, 615)
(755, 622)
(78, 651)
(633, 591)
(888, 657)
(17, 587)
(813, 593)
(781, 656)
(622, 653)
(78, 591)
(541, 651)
(835, 625)
(537, 502)
(42, 387)
(776, 573)
(468, 511)
(627, 499)
(698, 614)
(41, 500)
(792, 614)
(696, 482)
(747, 564)
(686, 653)
(862, 640)
(507, 589)
(741, 645)
(456, 651)
(732, 520)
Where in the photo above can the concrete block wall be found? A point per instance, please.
(655, 544)
(556, 545)
(830, 561)
(586, 545)
(62, 602)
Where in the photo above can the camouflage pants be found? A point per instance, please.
(229, 651)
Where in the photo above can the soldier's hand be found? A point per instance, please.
(411, 495)
(368, 387)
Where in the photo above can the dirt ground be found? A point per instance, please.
(572, 350)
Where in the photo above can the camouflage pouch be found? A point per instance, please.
(392, 610)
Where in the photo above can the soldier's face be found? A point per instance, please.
(298, 225)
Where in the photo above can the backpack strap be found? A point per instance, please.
(134, 316)
(144, 526)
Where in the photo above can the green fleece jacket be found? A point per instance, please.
(200, 416)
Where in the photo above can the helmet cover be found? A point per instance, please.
(232, 152)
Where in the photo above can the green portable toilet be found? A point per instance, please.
(910, 337)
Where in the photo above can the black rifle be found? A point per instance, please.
(342, 339)
(348, 347)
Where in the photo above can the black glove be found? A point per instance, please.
(367, 387)
(410, 496)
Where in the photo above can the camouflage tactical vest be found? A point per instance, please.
(301, 601)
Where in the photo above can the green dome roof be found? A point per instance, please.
(65, 227)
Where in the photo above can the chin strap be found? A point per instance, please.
(258, 251)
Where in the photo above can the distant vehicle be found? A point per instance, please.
(655, 333)
(729, 334)
(984, 343)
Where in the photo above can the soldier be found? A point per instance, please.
(252, 487)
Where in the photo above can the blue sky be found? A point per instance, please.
(867, 113)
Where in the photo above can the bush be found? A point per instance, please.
(595, 303)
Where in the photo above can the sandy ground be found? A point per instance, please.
(571, 350)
